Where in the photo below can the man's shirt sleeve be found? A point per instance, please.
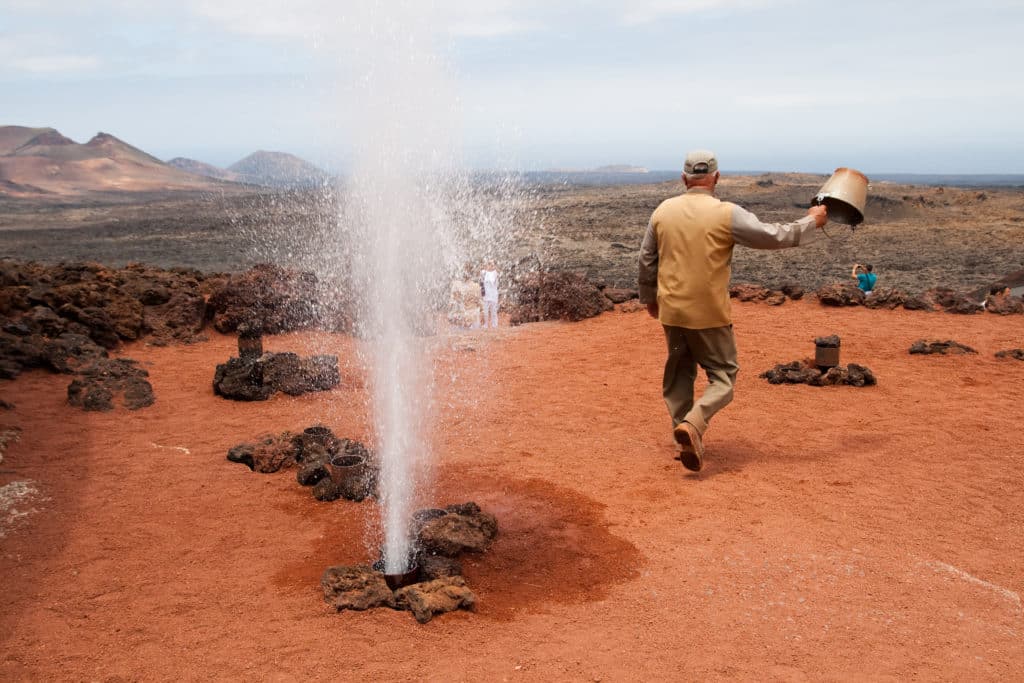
(748, 231)
(648, 280)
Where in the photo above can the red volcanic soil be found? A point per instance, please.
(836, 533)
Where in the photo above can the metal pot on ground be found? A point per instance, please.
(826, 352)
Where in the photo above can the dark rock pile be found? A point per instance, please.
(631, 306)
(310, 452)
(840, 294)
(441, 535)
(619, 295)
(1016, 354)
(805, 372)
(361, 587)
(358, 587)
(454, 530)
(1004, 303)
(108, 305)
(543, 295)
(98, 383)
(772, 296)
(427, 599)
(257, 379)
(318, 471)
(64, 353)
(98, 378)
(935, 299)
(45, 308)
(274, 298)
(269, 453)
(65, 318)
(885, 297)
(944, 299)
(929, 347)
(918, 303)
(792, 290)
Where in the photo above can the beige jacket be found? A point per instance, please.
(686, 255)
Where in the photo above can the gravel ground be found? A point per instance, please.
(916, 237)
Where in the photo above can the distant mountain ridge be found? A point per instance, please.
(13, 137)
(277, 169)
(271, 169)
(50, 143)
(44, 162)
(620, 168)
(201, 168)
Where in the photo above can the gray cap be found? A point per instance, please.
(700, 162)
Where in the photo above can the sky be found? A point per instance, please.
(781, 85)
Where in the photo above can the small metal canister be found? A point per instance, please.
(826, 352)
(344, 468)
(250, 341)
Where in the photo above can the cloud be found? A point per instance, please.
(42, 54)
(327, 19)
(296, 19)
(461, 18)
(55, 64)
(647, 11)
(492, 28)
(800, 100)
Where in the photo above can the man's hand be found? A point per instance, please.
(652, 309)
(820, 214)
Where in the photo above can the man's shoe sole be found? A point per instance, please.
(690, 454)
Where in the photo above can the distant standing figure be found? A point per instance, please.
(489, 281)
(464, 305)
(866, 279)
(684, 280)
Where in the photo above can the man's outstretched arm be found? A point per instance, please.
(748, 231)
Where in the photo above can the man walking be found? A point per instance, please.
(684, 280)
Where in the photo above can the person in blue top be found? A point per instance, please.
(866, 278)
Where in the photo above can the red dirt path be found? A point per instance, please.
(836, 533)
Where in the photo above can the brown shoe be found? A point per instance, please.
(691, 446)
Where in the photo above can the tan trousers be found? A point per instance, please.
(714, 350)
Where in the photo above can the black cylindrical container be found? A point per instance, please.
(826, 352)
(396, 581)
(250, 341)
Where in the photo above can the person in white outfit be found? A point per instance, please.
(489, 282)
(464, 304)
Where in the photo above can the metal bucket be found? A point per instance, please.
(396, 581)
(319, 433)
(345, 468)
(845, 195)
(314, 441)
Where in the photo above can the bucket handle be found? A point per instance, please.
(818, 200)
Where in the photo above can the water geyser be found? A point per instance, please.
(398, 228)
